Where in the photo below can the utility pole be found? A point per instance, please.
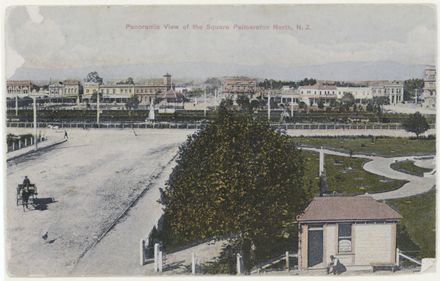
(97, 108)
(415, 95)
(35, 121)
(291, 108)
(206, 105)
(321, 162)
(268, 102)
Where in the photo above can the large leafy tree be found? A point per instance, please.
(132, 102)
(94, 77)
(410, 87)
(237, 179)
(416, 123)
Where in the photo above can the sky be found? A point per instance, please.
(62, 38)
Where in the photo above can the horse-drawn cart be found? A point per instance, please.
(26, 194)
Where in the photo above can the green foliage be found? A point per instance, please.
(382, 146)
(409, 168)
(132, 102)
(129, 81)
(418, 214)
(244, 103)
(236, 178)
(416, 123)
(278, 84)
(213, 83)
(347, 99)
(95, 95)
(94, 77)
(410, 86)
(345, 175)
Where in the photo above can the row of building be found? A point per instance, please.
(393, 90)
(110, 93)
(323, 92)
(314, 94)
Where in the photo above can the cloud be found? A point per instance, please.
(34, 14)
(13, 61)
(62, 37)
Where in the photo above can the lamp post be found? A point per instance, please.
(34, 98)
(291, 107)
(97, 108)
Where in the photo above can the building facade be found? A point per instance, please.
(66, 88)
(391, 90)
(239, 86)
(19, 87)
(429, 87)
(359, 231)
(313, 94)
(119, 93)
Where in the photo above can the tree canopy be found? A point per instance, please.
(128, 81)
(236, 178)
(132, 102)
(416, 123)
(410, 87)
(94, 77)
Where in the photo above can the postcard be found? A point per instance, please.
(226, 139)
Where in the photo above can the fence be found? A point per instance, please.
(200, 125)
(19, 143)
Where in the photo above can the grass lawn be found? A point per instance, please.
(383, 146)
(418, 222)
(409, 168)
(346, 175)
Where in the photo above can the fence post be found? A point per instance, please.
(32, 140)
(193, 263)
(397, 257)
(25, 142)
(238, 264)
(160, 261)
(142, 251)
(13, 146)
(19, 144)
(156, 256)
(287, 261)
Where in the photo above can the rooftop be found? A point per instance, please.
(337, 208)
(318, 87)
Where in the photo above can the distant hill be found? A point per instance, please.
(381, 70)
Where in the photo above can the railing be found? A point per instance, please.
(400, 254)
(271, 262)
(197, 125)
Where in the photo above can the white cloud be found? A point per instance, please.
(62, 37)
(34, 14)
(13, 61)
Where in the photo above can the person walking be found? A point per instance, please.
(65, 135)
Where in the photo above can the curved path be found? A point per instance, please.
(381, 166)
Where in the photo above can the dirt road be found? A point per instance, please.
(93, 177)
